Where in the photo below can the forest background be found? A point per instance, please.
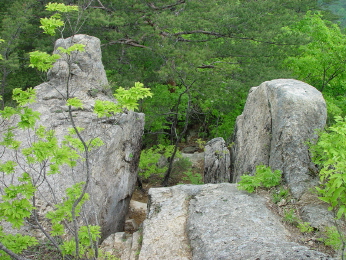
(199, 58)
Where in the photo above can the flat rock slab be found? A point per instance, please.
(215, 221)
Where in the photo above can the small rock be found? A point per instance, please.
(190, 149)
(131, 225)
(137, 206)
(283, 202)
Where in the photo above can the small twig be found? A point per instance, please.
(152, 5)
(130, 42)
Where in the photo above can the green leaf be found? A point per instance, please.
(129, 98)
(88, 234)
(17, 210)
(341, 212)
(75, 102)
(9, 141)
(64, 209)
(24, 97)
(16, 243)
(28, 118)
(1, 41)
(96, 142)
(57, 230)
(59, 7)
(72, 131)
(106, 108)
(8, 112)
(74, 47)
(8, 167)
(49, 25)
(69, 247)
(42, 60)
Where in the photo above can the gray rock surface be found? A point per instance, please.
(216, 161)
(123, 246)
(164, 233)
(195, 158)
(114, 165)
(318, 216)
(279, 117)
(215, 221)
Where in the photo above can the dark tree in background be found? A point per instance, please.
(223, 47)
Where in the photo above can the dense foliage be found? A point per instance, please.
(219, 49)
(329, 152)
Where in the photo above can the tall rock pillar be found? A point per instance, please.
(279, 118)
(114, 165)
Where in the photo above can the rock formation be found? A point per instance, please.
(114, 165)
(216, 161)
(215, 221)
(279, 117)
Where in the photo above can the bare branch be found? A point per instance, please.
(206, 67)
(130, 42)
(100, 7)
(201, 32)
(211, 66)
(152, 5)
(217, 35)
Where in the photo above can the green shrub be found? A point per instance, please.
(181, 165)
(330, 154)
(193, 178)
(291, 217)
(148, 164)
(333, 238)
(280, 194)
(305, 227)
(264, 177)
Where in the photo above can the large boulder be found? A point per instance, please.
(114, 165)
(279, 118)
(216, 161)
(215, 221)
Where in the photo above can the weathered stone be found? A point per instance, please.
(138, 207)
(215, 221)
(164, 235)
(126, 254)
(131, 225)
(216, 161)
(195, 158)
(318, 216)
(135, 247)
(114, 165)
(190, 149)
(279, 117)
(114, 244)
